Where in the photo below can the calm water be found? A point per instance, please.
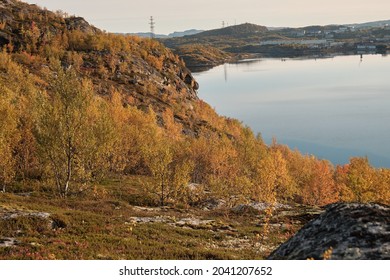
(333, 108)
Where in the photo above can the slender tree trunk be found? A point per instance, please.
(68, 176)
(66, 188)
(162, 194)
(68, 167)
(58, 180)
(56, 174)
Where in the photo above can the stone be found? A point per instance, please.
(213, 203)
(8, 242)
(79, 23)
(344, 231)
(194, 222)
(10, 215)
(4, 39)
(256, 207)
(154, 219)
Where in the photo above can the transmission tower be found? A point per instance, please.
(223, 24)
(152, 24)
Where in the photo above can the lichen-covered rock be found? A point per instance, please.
(8, 242)
(343, 231)
(14, 219)
(79, 23)
(258, 206)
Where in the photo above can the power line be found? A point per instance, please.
(152, 25)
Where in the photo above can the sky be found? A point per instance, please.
(130, 16)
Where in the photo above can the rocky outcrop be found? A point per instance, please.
(4, 38)
(14, 214)
(39, 220)
(186, 76)
(79, 23)
(8, 242)
(343, 231)
(258, 206)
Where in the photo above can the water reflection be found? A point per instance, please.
(225, 69)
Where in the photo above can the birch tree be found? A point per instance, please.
(8, 137)
(62, 126)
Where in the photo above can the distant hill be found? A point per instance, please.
(381, 23)
(208, 48)
(371, 24)
(147, 35)
(184, 33)
(221, 38)
(235, 30)
(170, 35)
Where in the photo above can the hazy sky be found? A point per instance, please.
(179, 15)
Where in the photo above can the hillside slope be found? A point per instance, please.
(142, 70)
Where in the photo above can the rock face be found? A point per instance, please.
(79, 23)
(344, 231)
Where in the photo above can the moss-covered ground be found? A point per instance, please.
(114, 220)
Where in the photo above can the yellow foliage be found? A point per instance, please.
(361, 180)
(328, 254)
(203, 111)
(173, 129)
(170, 169)
(383, 186)
(274, 179)
(8, 136)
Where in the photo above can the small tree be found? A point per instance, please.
(62, 125)
(8, 137)
(383, 186)
(170, 170)
(361, 179)
(319, 188)
(158, 159)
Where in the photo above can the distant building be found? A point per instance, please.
(298, 33)
(308, 43)
(337, 44)
(342, 30)
(313, 32)
(329, 36)
(364, 48)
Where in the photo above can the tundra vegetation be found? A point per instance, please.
(76, 143)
